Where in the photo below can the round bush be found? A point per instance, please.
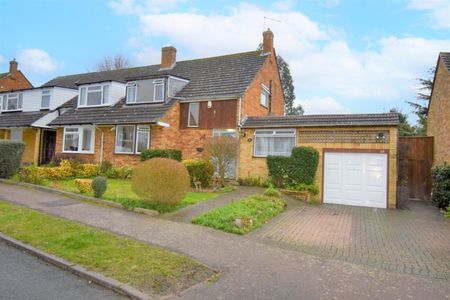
(161, 180)
(99, 185)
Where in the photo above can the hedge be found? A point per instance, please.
(199, 170)
(441, 185)
(165, 153)
(299, 168)
(10, 157)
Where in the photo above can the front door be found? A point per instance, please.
(48, 146)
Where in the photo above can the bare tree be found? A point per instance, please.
(223, 151)
(109, 63)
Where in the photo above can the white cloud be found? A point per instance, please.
(327, 3)
(323, 105)
(439, 11)
(2, 59)
(142, 6)
(36, 61)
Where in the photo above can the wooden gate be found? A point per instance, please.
(415, 159)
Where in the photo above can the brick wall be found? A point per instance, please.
(251, 101)
(439, 115)
(250, 166)
(15, 81)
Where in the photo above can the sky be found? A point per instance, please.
(345, 56)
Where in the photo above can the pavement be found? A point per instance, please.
(25, 277)
(248, 269)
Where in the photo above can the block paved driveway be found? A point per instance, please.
(414, 241)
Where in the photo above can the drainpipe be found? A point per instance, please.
(101, 147)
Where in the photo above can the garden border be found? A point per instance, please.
(83, 198)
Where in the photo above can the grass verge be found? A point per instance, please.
(244, 215)
(151, 269)
(120, 191)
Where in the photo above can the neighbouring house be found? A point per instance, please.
(358, 153)
(14, 79)
(439, 110)
(25, 114)
(175, 104)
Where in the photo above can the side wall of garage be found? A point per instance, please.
(352, 139)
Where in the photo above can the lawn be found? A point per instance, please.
(150, 269)
(251, 213)
(120, 191)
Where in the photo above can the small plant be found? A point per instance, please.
(199, 170)
(10, 157)
(63, 171)
(253, 181)
(31, 174)
(272, 192)
(119, 173)
(302, 187)
(441, 185)
(99, 186)
(84, 185)
(164, 153)
(87, 170)
(161, 180)
(105, 167)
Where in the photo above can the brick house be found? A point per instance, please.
(439, 110)
(14, 79)
(174, 104)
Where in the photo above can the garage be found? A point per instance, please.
(358, 179)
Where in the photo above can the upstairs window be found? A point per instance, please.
(12, 102)
(193, 116)
(274, 142)
(131, 92)
(78, 139)
(95, 95)
(158, 90)
(264, 96)
(45, 99)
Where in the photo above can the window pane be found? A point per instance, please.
(83, 96)
(131, 93)
(94, 88)
(159, 92)
(4, 102)
(125, 139)
(87, 140)
(265, 146)
(94, 98)
(264, 99)
(16, 135)
(105, 94)
(193, 114)
(12, 103)
(45, 102)
(19, 103)
(143, 138)
(71, 142)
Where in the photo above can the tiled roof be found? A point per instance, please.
(117, 114)
(20, 119)
(322, 120)
(219, 76)
(3, 74)
(446, 59)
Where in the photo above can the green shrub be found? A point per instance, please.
(272, 192)
(441, 185)
(10, 157)
(161, 181)
(199, 170)
(253, 181)
(87, 170)
(312, 188)
(300, 167)
(105, 167)
(63, 171)
(84, 185)
(119, 173)
(31, 174)
(164, 153)
(99, 185)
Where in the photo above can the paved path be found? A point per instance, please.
(249, 270)
(414, 241)
(25, 277)
(186, 214)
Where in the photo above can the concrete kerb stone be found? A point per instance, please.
(78, 270)
(83, 198)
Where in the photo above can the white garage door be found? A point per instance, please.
(358, 179)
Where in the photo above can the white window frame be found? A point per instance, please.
(46, 92)
(274, 133)
(158, 82)
(105, 100)
(80, 139)
(134, 85)
(136, 129)
(189, 115)
(266, 92)
(14, 96)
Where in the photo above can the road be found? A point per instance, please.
(23, 276)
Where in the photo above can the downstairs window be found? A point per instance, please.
(274, 142)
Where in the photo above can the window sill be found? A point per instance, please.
(78, 152)
(11, 111)
(262, 105)
(145, 102)
(90, 106)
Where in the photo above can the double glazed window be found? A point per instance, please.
(12, 102)
(79, 139)
(94, 95)
(274, 142)
(146, 91)
(193, 114)
(132, 139)
(264, 96)
(158, 90)
(45, 99)
(131, 92)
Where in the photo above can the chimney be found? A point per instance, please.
(267, 41)
(168, 57)
(13, 66)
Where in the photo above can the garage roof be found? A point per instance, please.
(391, 119)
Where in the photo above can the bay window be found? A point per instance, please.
(94, 95)
(78, 139)
(132, 139)
(12, 102)
(274, 142)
